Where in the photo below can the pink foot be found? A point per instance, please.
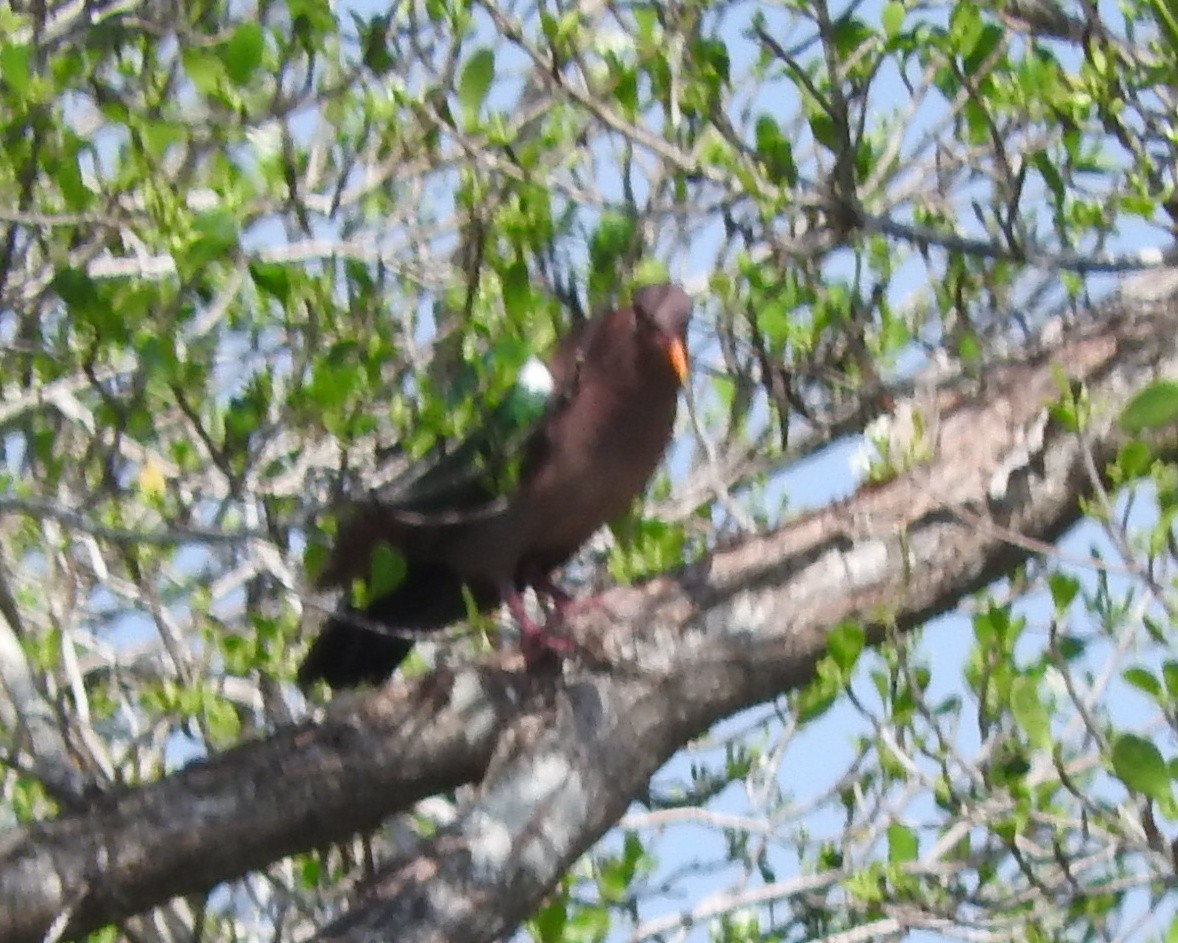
(538, 645)
(564, 605)
(574, 607)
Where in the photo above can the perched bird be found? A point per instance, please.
(616, 380)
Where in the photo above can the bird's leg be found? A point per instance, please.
(564, 604)
(536, 642)
(561, 599)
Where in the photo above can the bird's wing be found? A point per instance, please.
(476, 476)
(458, 485)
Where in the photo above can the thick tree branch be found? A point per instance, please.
(561, 757)
(301, 788)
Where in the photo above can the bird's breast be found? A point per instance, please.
(603, 452)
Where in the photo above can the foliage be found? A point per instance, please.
(252, 254)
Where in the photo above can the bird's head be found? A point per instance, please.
(665, 310)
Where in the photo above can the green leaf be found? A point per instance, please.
(851, 34)
(158, 136)
(1170, 677)
(387, 571)
(712, 61)
(1139, 765)
(845, 643)
(517, 293)
(903, 844)
(611, 239)
(1063, 590)
(157, 355)
(312, 21)
(205, 70)
(1030, 712)
(587, 924)
(965, 27)
(374, 42)
(775, 152)
(645, 547)
(315, 557)
(1165, 20)
(866, 884)
(561, 31)
(983, 47)
(224, 725)
(242, 52)
(1155, 630)
(475, 82)
(1155, 406)
(310, 872)
(1049, 173)
(1143, 680)
(625, 83)
(1133, 460)
(14, 68)
(650, 271)
(817, 697)
(617, 874)
(1071, 647)
(892, 18)
(216, 236)
(68, 176)
(549, 923)
(76, 289)
(823, 128)
(272, 278)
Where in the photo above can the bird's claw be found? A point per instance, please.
(540, 647)
(562, 604)
(569, 608)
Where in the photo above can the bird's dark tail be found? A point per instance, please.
(347, 654)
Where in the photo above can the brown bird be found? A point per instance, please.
(616, 382)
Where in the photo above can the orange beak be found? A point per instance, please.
(677, 355)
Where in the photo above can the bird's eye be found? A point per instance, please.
(645, 322)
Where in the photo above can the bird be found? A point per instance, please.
(467, 544)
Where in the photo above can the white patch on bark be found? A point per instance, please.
(744, 618)
(1019, 459)
(490, 844)
(468, 697)
(747, 615)
(865, 563)
(444, 901)
(528, 819)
